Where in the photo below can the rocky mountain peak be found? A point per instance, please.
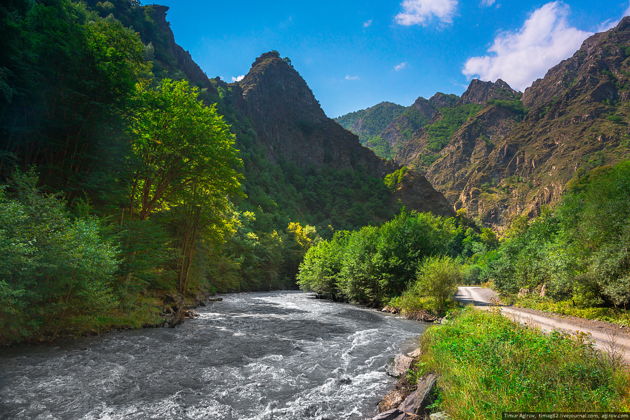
(273, 84)
(480, 92)
(443, 100)
(596, 72)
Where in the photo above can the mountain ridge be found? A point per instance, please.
(516, 152)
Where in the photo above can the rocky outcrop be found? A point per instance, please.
(415, 192)
(596, 71)
(291, 125)
(481, 93)
(414, 403)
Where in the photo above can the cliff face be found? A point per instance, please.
(479, 92)
(291, 125)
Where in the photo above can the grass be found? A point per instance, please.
(566, 307)
(488, 365)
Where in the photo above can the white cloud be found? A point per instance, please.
(238, 78)
(400, 66)
(420, 12)
(349, 77)
(487, 3)
(367, 23)
(522, 56)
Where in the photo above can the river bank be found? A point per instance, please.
(486, 364)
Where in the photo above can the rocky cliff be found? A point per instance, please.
(574, 119)
(480, 92)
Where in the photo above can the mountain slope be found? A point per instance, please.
(368, 124)
(327, 175)
(511, 159)
(389, 131)
(299, 164)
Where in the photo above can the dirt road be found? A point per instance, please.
(607, 337)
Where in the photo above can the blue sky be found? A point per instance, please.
(354, 54)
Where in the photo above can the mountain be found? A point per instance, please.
(500, 154)
(388, 131)
(324, 173)
(369, 123)
(299, 164)
(512, 158)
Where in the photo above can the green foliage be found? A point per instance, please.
(434, 288)
(374, 264)
(515, 106)
(580, 251)
(369, 123)
(395, 178)
(488, 365)
(567, 307)
(440, 132)
(54, 269)
(438, 278)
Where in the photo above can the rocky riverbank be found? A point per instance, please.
(409, 399)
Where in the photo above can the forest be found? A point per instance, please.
(574, 258)
(121, 185)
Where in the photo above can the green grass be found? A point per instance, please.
(566, 307)
(488, 365)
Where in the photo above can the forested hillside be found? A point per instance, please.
(133, 183)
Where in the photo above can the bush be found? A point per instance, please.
(436, 283)
(54, 270)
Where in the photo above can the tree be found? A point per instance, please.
(183, 159)
(438, 278)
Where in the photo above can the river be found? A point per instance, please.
(272, 355)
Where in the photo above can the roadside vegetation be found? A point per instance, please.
(488, 364)
(573, 259)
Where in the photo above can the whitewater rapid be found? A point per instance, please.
(253, 356)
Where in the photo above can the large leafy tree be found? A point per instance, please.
(183, 159)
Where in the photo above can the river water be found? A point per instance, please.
(275, 355)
